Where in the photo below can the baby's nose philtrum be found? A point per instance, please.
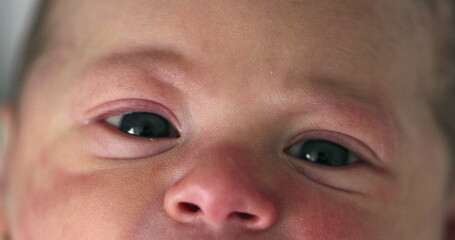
(217, 193)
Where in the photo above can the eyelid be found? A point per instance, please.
(104, 141)
(356, 147)
(123, 106)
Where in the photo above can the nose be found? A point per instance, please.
(217, 193)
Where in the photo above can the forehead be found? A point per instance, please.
(339, 38)
(356, 43)
(288, 27)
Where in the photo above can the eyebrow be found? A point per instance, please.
(176, 61)
(144, 58)
(158, 64)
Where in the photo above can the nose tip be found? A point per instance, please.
(222, 200)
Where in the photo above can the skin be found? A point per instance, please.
(241, 81)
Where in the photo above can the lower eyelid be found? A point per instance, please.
(105, 141)
(360, 178)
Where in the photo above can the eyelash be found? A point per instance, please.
(119, 107)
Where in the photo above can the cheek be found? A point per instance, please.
(331, 221)
(51, 203)
(68, 204)
(318, 213)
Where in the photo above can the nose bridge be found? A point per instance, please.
(232, 131)
(232, 111)
(227, 155)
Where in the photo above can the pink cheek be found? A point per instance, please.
(55, 204)
(308, 210)
(52, 203)
(323, 218)
(47, 211)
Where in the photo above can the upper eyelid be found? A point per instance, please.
(124, 106)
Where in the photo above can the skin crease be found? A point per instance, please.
(241, 81)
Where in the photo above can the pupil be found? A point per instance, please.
(325, 153)
(323, 157)
(145, 124)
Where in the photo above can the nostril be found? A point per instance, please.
(189, 207)
(245, 216)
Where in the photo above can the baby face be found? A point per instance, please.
(169, 120)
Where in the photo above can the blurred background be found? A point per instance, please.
(15, 17)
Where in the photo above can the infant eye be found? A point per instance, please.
(322, 152)
(143, 124)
